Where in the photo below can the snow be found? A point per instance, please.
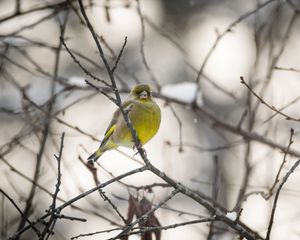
(77, 81)
(16, 41)
(231, 215)
(184, 92)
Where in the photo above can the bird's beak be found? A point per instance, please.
(143, 95)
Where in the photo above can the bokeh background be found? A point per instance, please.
(259, 40)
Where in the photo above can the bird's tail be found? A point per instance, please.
(93, 158)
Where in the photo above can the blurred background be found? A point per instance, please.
(231, 149)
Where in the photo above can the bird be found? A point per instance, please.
(144, 115)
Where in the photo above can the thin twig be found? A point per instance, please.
(285, 178)
(287, 117)
(45, 132)
(81, 66)
(287, 69)
(227, 30)
(281, 165)
(215, 192)
(93, 171)
(82, 195)
(148, 229)
(142, 47)
(180, 149)
(20, 211)
(144, 216)
(119, 56)
(49, 226)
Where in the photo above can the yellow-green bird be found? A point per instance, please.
(144, 114)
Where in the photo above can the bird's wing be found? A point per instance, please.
(127, 106)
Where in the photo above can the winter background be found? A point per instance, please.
(178, 36)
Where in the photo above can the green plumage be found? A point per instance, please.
(144, 115)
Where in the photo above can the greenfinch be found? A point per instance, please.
(144, 114)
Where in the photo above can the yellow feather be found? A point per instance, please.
(144, 115)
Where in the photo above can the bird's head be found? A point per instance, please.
(141, 92)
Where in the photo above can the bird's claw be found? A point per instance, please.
(90, 164)
(139, 147)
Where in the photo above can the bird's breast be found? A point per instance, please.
(146, 121)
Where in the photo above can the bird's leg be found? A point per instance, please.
(90, 164)
(139, 146)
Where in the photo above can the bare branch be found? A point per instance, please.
(287, 117)
(285, 178)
